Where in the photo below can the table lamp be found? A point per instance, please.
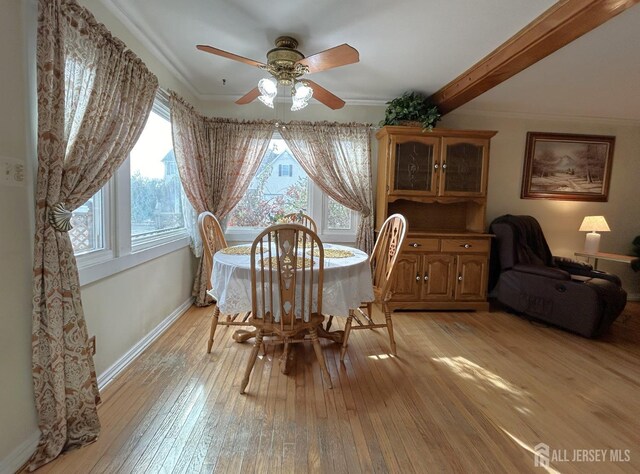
(593, 224)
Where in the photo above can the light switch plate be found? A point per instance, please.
(12, 172)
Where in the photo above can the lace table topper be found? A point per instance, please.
(347, 281)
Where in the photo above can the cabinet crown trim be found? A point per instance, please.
(436, 132)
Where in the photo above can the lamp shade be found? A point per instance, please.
(594, 224)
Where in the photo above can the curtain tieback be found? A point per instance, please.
(60, 218)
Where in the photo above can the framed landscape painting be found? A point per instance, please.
(567, 167)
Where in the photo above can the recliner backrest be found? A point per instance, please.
(524, 240)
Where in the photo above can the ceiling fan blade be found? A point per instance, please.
(248, 97)
(330, 58)
(323, 95)
(225, 54)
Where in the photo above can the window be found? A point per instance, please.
(156, 191)
(338, 216)
(87, 233)
(139, 214)
(281, 187)
(285, 170)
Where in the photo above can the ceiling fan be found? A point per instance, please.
(287, 65)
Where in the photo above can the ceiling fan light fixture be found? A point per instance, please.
(298, 104)
(267, 100)
(268, 87)
(302, 91)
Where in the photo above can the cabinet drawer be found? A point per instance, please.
(421, 245)
(465, 245)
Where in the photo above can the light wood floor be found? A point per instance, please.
(468, 392)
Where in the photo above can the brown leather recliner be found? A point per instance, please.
(528, 279)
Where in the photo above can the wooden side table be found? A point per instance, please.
(611, 257)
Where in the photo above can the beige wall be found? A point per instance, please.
(120, 310)
(17, 415)
(560, 220)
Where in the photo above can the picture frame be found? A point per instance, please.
(565, 166)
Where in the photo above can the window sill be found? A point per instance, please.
(97, 271)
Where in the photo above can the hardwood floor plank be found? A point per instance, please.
(468, 392)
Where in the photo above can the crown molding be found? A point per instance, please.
(547, 117)
(155, 46)
(280, 99)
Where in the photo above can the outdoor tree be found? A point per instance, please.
(256, 209)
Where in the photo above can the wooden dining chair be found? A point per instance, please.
(213, 240)
(383, 267)
(300, 218)
(286, 290)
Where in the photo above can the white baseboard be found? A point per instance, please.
(20, 455)
(16, 459)
(109, 374)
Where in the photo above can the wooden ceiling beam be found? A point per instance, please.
(555, 28)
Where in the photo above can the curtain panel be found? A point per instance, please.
(94, 97)
(337, 157)
(217, 158)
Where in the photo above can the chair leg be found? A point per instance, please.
(369, 306)
(252, 361)
(392, 341)
(318, 350)
(329, 323)
(214, 325)
(284, 359)
(347, 330)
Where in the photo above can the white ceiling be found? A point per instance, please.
(597, 75)
(404, 45)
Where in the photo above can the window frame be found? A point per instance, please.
(121, 252)
(318, 211)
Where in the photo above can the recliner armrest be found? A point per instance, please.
(584, 269)
(543, 271)
(570, 265)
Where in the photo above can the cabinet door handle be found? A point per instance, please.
(467, 246)
(415, 245)
(459, 277)
(444, 166)
(436, 166)
(417, 277)
(426, 277)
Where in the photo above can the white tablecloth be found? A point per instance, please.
(347, 282)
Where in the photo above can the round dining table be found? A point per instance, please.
(347, 279)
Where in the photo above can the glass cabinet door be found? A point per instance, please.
(413, 165)
(464, 167)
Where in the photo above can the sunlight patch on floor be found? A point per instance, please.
(468, 370)
(381, 356)
(524, 445)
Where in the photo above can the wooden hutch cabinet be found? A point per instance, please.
(438, 181)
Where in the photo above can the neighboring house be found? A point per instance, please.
(283, 170)
(172, 200)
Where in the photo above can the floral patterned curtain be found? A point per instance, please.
(94, 97)
(337, 157)
(217, 158)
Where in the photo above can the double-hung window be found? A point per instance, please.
(140, 213)
(281, 187)
(285, 170)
